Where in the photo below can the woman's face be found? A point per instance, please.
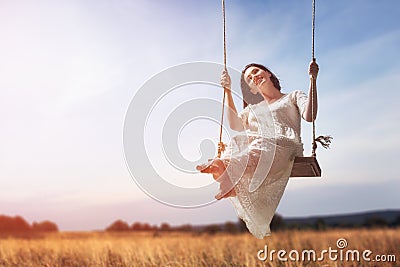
(256, 78)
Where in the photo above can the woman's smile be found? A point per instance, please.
(258, 80)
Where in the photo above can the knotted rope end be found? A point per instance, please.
(324, 140)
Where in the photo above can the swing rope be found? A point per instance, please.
(313, 81)
(221, 145)
(325, 141)
(313, 29)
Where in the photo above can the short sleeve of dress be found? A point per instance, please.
(244, 115)
(300, 99)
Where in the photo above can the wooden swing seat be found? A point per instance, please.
(306, 167)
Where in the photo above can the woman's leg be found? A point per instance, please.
(217, 168)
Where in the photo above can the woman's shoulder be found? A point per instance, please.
(296, 94)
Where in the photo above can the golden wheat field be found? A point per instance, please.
(188, 249)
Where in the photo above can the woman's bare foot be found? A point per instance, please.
(216, 167)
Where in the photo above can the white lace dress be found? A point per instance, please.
(259, 160)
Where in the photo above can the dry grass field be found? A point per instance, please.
(188, 249)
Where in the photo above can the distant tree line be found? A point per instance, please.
(18, 224)
(228, 227)
(120, 226)
(320, 224)
(278, 223)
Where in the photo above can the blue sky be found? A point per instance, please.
(69, 70)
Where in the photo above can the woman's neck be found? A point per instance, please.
(271, 94)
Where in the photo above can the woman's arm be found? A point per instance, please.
(235, 122)
(312, 93)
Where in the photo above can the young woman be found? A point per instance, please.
(256, 166)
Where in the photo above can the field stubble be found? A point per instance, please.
(189, 249)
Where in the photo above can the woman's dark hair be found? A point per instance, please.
(249, 97)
